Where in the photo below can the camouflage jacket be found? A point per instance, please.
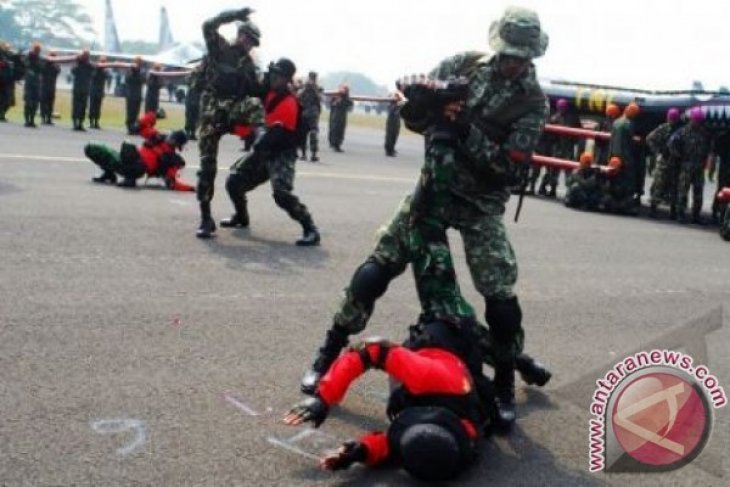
(230, 72)
(622, 141)
(690, 144)
(310, 98)
(503, 116)
(658, 138)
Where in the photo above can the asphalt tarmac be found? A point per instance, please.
(133, 353)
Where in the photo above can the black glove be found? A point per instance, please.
(312, 409)
(349, 453)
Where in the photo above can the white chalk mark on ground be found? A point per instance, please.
(180, 202)
(232, 399)
(106, 426)
(313, 440)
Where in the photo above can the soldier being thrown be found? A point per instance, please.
(274, 157)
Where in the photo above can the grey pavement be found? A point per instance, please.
(132, 353)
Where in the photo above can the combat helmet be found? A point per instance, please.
(251, 30)
(518, 33)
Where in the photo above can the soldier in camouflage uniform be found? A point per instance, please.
(340, 104)
(622, 187)
(274, 158)
(32, 84)
(133, 82)
(310, 98)
(584, 186)
(562, 147)
(721, 149)
(80, 89)
(192, 101)
(691, 146)
(601, 146)
(666, 168)
(49, 75)
(231, 85)
(392, 121)
(469, 165)
(99, 78)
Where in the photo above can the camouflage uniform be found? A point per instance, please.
(310, 98)
(584, 189)
(721, 148)
(339, 106)
(666, 169)
(231, 85)
(32, 87)
(691, 146)
(601, 146)
(49, 75)
(192, 102)
(622, 186)
(80, 91)
(152, 93)
(133, 87)
(392, 125)
(99, 79)
(563, 148)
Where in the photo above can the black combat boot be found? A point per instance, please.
(531, 371)
(696, 218)
(127, 182)
(311, 236)
(106, 177)
(672, 212)
(207, 224)
(240, 217)
(314, 157)
(504, 388)
(334, 343)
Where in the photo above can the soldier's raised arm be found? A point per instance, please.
(210, 26)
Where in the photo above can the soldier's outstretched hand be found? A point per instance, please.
(312, 409)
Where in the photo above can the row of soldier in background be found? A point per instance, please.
(679, 154)
(90, 79)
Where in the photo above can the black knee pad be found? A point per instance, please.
(284, 199)
(504, 317)
(233, 183)
(370, 281)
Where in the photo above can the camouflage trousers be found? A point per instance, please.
(664, 185)
(583, 192)
(691, 175)
(217, 117)
(424, 245)
(278, 167)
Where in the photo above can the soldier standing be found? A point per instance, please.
(666, 169)
(133, 93)
(600, 151)
(310, 98)
(231, 85)
(49, 75)
(80, 89)
(99, 78)
(274, 158)
(562, 147)
(468, 168)
(622, 186)
(691, 146)
(339, 106)
(152, 91)
(392, 121)
(32, 84)
(721, 149)
(7, 79)
(192, 101)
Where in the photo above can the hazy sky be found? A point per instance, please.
(642, 43)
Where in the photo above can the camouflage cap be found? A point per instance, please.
(518, 34)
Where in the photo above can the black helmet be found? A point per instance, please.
(178, 138)
(251, 30)
(285, 67)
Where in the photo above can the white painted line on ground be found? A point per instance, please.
(240, 405)
(310, 174)
(291, 448)
(105, 426)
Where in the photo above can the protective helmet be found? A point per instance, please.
(615, 163)
(673, 115)
(284, 67)
(562, 105)
(251, 31)
(586, 159)
(631, 110)
(431, 442)
(518, 33)
(613, 111)
(177, 138)
(696, 115)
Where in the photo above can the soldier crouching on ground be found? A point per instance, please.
(274, 158)
(160, 159)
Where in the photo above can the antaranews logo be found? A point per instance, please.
(652, 412)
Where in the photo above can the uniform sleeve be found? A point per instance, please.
(376, 446)
(213, 39)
